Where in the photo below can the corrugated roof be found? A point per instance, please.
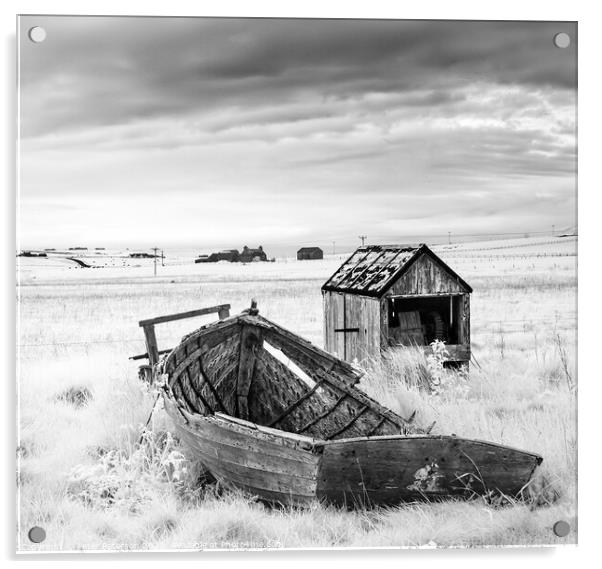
(372, 269)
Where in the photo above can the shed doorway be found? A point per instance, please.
(420, 320)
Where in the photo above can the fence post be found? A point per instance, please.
(151, 344)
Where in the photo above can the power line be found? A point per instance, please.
(154, 250)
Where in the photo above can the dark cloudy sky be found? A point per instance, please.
(223, 132)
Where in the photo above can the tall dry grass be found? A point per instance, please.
(83, 477)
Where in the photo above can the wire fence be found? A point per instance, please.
(482, 327)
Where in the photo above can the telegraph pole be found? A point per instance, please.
(363, 238)
(334, 251)
(162, 258)
(449, 237)
(155, 249)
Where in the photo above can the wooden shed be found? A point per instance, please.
(387, 296)
(309, 254)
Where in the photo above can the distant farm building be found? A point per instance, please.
(32, 254)
(233, 256)
(230, 255)
(252, 255)
(387, 296)
(309, 253)
(142, 256)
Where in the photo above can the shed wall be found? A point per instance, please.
(426, 276)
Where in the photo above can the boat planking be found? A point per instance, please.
(268, 412)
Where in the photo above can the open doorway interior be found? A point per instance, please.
(418, 321)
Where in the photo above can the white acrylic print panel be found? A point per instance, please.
(295, 283)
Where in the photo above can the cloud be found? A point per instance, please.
(322, 126)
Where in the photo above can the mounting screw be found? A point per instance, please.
(37, 34)
(561, 528)
(37, 534)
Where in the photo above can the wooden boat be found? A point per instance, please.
(272, 414)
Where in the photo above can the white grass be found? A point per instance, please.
(78, 328)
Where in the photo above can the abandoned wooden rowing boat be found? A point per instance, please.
(272, 414)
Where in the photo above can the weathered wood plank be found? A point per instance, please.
(262, 439)
(250, 344)
(259, 479)
(376, 427)
(180, 395)
(300, 441)
(465, 320)
(274, 388)
(290, 466)
(362, 313)
(389, 469)
(323, 398)
(152, 348)
(426, 276)
(295, 404)
(323, 415)
(190, 378)
(210, 387)
(287, 341)
(365, 423)
(207, 337)
(182, 315)
(186, 361)
(348, 424)
(282, 498)
(220, 366)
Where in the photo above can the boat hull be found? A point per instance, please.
(290, 469)
(267, 412)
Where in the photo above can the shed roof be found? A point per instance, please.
(309, 249)
(373, 269)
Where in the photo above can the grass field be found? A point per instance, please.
(82, 477)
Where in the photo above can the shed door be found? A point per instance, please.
(346, 329)
(355, 320)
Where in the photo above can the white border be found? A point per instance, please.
(589, 202)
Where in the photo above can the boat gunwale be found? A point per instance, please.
(226, 420)
(232, 423)
(351, 440)
(265, 324)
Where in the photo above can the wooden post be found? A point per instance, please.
(250, 341)
(151, 344)
(224, 312)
